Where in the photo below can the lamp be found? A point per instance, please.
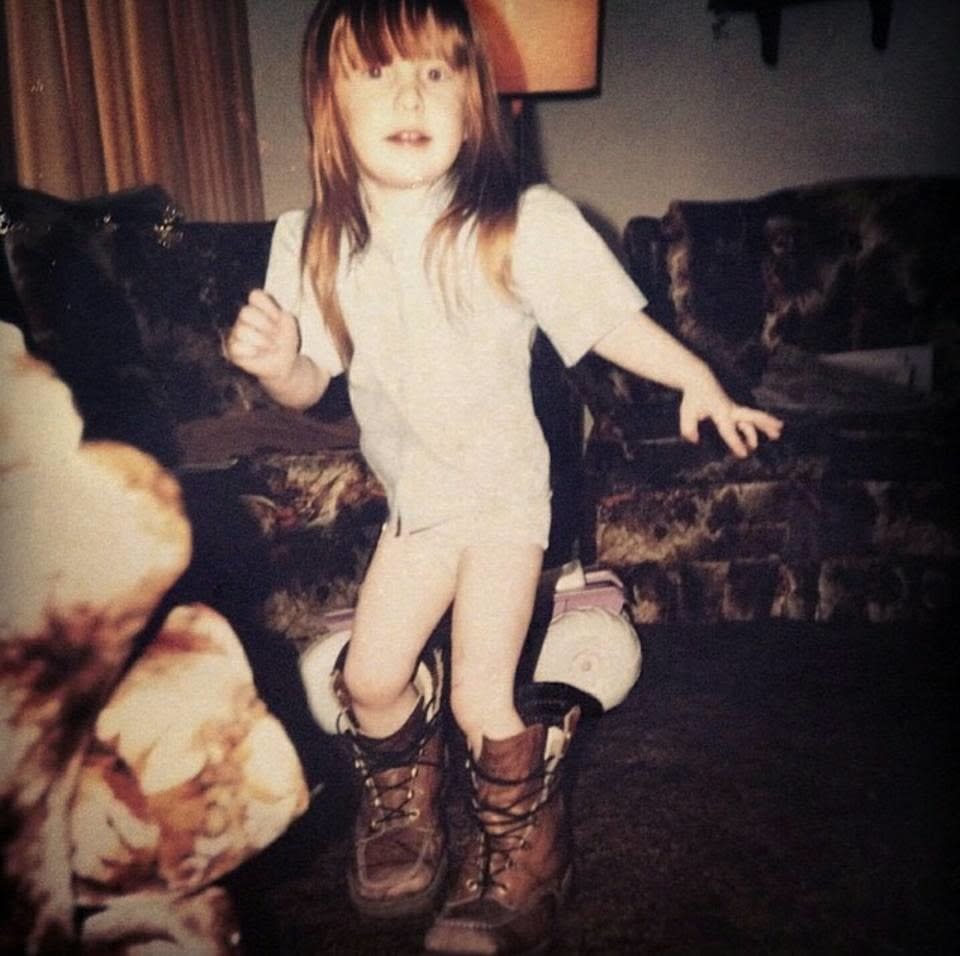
(541, 46)
(538, 47)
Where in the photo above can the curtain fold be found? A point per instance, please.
(111, 94)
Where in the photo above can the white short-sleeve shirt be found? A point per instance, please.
(440, 376)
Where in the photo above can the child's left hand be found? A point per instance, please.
(739, 426)
(645, 348)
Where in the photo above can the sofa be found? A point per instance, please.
(833, 305)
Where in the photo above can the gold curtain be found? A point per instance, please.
(110, 94)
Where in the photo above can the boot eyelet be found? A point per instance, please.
(414, 813)
(472, 884)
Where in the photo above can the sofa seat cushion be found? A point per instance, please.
(282, 538)
(804, 518)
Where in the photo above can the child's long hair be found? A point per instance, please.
(484, 179)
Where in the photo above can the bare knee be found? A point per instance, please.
(373, 688)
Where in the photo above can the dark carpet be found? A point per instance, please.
(781, 789)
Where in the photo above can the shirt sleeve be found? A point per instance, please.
(567, 277)
(293, 290)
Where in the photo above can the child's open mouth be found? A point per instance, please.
(409, 137)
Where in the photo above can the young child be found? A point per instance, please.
(422, 271)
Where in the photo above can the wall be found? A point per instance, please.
(683, 112)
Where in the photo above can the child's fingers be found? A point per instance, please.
(739, 426)
(265, 303)
(253, 325)
(747, 425)
(729, 433)
(689, 424)
(253, 317)
(770, 425)
(247, 340)
(749, 432)
(263, 312)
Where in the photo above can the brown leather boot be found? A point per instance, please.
(517, 868)
(400, 848)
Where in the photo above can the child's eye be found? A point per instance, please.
(374, 71)
(436, 73)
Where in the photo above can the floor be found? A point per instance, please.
(782, 789)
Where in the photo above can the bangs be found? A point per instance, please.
(375, 33)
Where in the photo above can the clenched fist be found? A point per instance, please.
(264, 340)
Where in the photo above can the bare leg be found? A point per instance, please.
(496, 587)
(408, 588)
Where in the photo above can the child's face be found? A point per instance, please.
(404, 120)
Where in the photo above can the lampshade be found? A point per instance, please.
(541, 46)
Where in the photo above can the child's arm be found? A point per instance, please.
(265, 341)
(648, 350)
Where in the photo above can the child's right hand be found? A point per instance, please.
(265, 339)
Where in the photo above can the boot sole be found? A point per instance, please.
(416, 904)
(538, 948)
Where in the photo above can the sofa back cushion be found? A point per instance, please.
(763, 288)
(857, 265)
(74, 313)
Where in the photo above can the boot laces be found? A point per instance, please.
(374, 763)
(505, 827)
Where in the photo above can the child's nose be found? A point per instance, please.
(409, 91)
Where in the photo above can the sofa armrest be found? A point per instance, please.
(623, 405)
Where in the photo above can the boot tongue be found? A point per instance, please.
(391, 760)
(514, 758)
(509, 779)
